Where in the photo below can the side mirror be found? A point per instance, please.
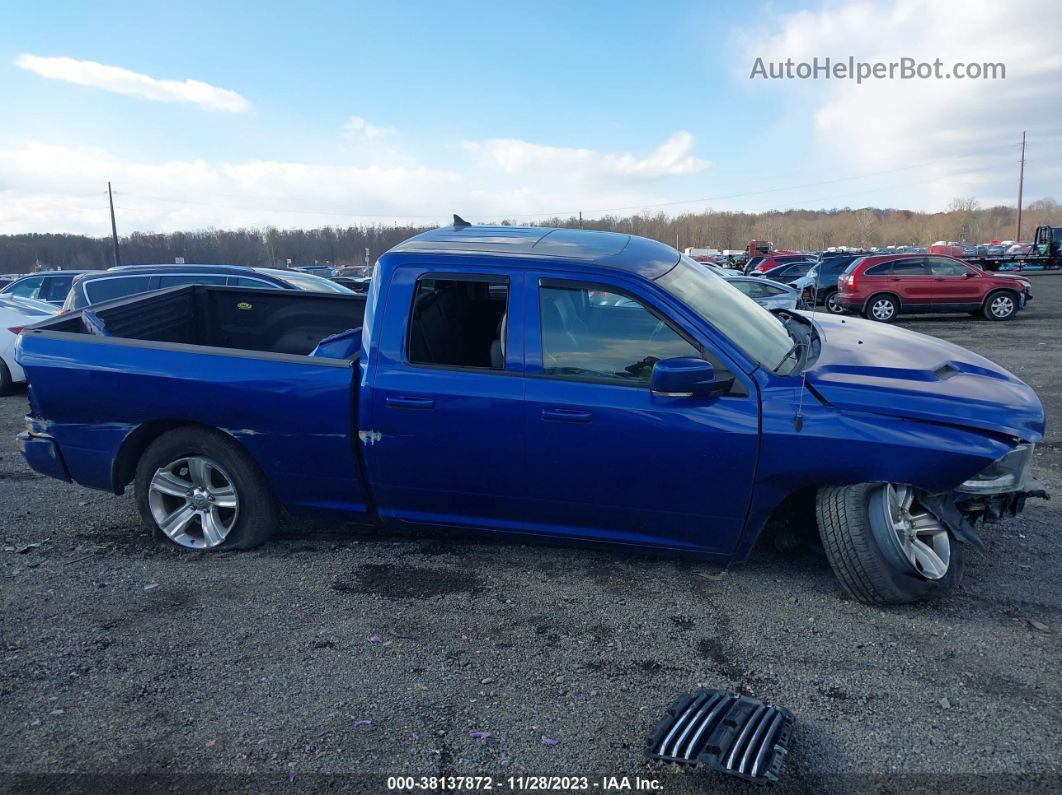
(969, 275)
(685, 376)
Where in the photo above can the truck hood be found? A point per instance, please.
(869, 366)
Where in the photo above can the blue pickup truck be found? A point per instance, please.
(550, 383)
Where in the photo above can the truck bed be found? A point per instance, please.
(274, 321)
(248, 362)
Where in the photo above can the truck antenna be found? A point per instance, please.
(459, 222)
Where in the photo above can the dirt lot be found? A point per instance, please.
(336, 656)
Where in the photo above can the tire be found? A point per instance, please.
(209, 487)
(882, 308)
(833, 306)
(1000, 305)
(869, 565)
(7, 383)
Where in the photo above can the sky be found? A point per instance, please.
(306, 114)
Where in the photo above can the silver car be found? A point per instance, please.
(768, 294)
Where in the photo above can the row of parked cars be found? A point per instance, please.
(883, 286)
(27, 299)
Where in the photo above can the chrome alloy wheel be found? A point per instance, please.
(883, 309)
(915, 537)
(194, 502)
(1002, 306)
(833, 304)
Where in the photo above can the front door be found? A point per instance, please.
(955, 286)
(609, 460)
(910, 280)
(444, 435)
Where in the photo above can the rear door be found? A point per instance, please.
(910, 280)
(955, 286)
(443, 435)
(606, 458)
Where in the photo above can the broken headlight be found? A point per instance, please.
(1002, 475)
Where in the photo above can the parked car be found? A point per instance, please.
(818, 287)
(15, 314)
(769, 261)
(787, 272)
(92, 288)
(489, 391)
(766, 293)
(50, 286)
(882, 288)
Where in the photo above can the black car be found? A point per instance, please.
(787, 272)
(829, 269)
(49, 286)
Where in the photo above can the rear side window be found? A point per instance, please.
(459, 322)
(55, 288)
(116, 287)
(602, 335)
(243, 281)
(882, 269)
(909, 267)
(190, 278)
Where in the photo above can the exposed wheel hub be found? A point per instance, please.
(916, 538)
(193, 501)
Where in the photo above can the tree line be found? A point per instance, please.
(964, 221)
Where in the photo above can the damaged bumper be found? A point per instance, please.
(961, 510)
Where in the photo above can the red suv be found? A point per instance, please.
(880, 288)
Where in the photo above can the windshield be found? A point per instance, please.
(304, 281)
(758, 333)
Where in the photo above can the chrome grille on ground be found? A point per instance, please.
(729, 733)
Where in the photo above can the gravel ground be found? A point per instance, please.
(336, 656)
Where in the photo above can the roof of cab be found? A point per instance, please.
(614, 250)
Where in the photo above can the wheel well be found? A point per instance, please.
(124, 468)
(893, 296)
(998, 290)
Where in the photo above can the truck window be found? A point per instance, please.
(459, 322)
(603, 335)
(189, 278)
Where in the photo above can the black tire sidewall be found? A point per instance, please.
(884, 582)
(258, 513)
(7, 383)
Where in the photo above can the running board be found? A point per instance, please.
(728, 733)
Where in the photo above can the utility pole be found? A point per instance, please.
(1021, 184)
(114, 228)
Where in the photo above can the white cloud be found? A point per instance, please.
(964, 131)
(357, 127)
(54, 188)
(516, 157)
(125, 81)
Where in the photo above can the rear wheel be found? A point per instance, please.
(1002, 305)
(882, 308)
(833, 305)
(199, 489)
(884, 546)
(7, 383)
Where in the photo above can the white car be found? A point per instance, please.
(15, 314)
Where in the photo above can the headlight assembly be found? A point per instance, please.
(1002, 475)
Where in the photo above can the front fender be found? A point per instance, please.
(836, 447)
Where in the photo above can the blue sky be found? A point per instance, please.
(319, 113)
